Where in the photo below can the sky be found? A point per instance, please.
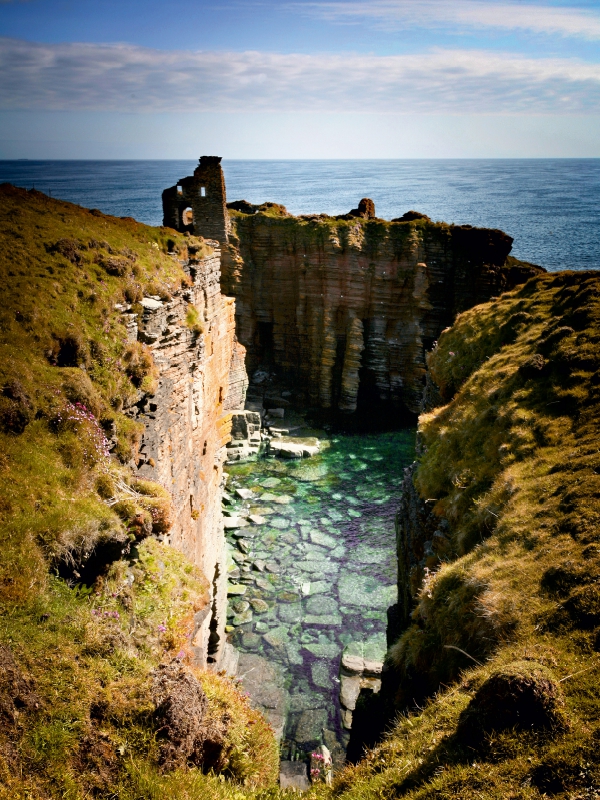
(299, 78)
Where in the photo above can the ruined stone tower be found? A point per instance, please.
(197, 203)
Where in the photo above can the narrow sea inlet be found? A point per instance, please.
(312, 572)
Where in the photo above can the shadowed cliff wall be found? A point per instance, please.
(187, 425)
(347, 308)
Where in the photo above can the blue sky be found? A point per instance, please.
(304, 78)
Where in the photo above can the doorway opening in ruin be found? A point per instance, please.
(214, 639)
(265, 344)
(187, 217)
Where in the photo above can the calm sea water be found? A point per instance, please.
(551, 207)
(318, 574)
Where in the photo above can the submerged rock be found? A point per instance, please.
(309, 727)
(259, 606)
(361, 590)
(264, 682)
(319, 671)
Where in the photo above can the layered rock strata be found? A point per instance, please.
(187, 425)
(346, 308)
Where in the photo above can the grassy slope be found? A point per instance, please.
(513, 462)
(86, 654)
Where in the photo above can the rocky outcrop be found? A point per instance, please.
(187, 425)
(421, 543)
(197, 203)
(346, 308)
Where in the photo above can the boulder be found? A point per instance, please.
(294, 447)
(294, 775)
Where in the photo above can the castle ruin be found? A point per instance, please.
(197, 204)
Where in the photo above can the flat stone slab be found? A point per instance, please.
(290, 612)
(256, 519)
(322, 650)
(265, 585)
(316, 565)
(234, 589)
(321, 605)
(305, 701)
(277, 637)
(281, 523)
(268, 497)
(310, 725)
(259, 606)
(370, 555)
(151, 304)
(283, 499)
(324, 539)
(245, 494)
(327, 620)
(294, 447)
(365, 591)
(319, 671)
(243, 618)
(294, 775)
(264, 682)
(365, 658)
(270, 483)
(232, 522)
(349, 691)
(317, 587)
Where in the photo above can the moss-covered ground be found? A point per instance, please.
(511, 458)
(76, 655)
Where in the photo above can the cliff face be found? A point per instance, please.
(187, 423)
(346, 308)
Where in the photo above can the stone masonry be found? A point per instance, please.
(197, 203)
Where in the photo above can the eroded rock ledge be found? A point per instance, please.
(346, 307)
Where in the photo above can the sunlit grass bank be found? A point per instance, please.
(77, 655)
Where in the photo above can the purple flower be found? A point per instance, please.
(162, 628)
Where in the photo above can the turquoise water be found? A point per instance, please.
(320, 572)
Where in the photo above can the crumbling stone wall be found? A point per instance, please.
(204, 193)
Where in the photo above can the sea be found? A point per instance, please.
(551, 207)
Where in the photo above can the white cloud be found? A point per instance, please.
(564, 21)
(130, 78)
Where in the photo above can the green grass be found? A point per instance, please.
(512, 459)
(67, 372)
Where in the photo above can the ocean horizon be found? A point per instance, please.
(551, 207)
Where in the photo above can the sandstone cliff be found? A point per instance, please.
(346, 308)
(187, 423)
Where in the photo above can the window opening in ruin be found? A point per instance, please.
(214, 638)
(180, 190)
(191, 502)
(204, 448)
(220, 394)
(187, 216)
(203, 191)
